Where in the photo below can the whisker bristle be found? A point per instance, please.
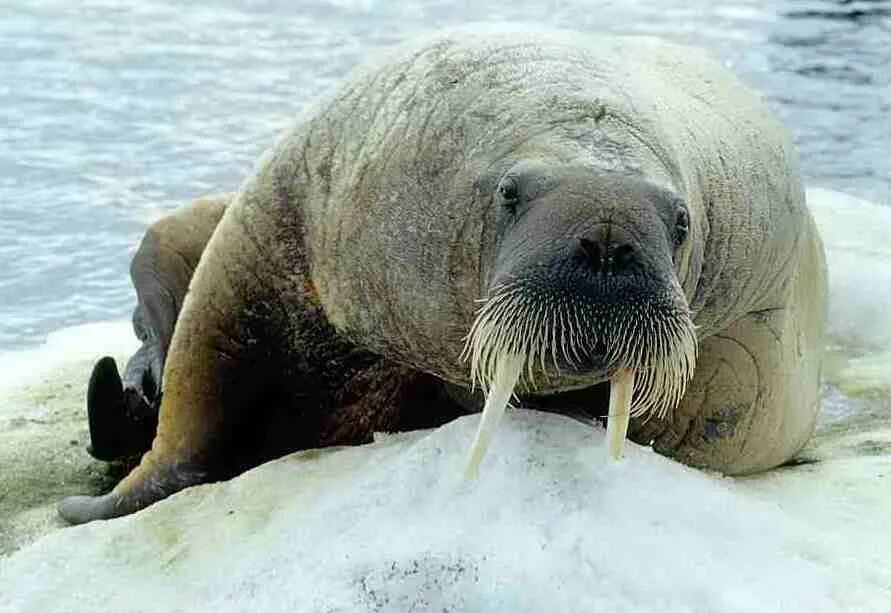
(547, 332)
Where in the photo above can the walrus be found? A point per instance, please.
(514, 211)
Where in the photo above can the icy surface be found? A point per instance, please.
(43, 427)
(548, 526)
(857, 237)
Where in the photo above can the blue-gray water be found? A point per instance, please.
(111, 112)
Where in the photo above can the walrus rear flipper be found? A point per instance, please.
(121, 423)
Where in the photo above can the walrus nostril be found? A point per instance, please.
(622, 257)
(605, 258)
(591, 253)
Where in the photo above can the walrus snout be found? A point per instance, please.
(584, 285)
(604, 266)
(564, 222)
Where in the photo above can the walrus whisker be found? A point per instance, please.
(528, 330)
(552, 319)
(567, 345)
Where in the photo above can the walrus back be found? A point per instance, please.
(398, 165)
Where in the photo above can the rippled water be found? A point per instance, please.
(113, 112)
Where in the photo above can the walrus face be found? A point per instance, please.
(584, 287)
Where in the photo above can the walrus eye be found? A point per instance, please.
(510, 192)
(681, 227)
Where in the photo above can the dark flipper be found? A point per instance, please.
(122, 424)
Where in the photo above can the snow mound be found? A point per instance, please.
(855, 234)
(549, 526)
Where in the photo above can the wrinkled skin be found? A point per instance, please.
(374, 225)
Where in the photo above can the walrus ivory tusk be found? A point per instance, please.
(620, 387)
(506, 374)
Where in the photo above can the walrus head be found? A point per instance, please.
(584, 288)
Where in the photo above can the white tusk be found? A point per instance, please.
(506, 374)
(620, 387)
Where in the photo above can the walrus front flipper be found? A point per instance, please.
(81, 509)
(121, 423)
(131, 495)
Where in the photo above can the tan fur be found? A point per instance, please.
(754, 271)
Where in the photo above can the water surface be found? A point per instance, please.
(114, 112)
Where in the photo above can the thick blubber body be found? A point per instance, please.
(373, 226)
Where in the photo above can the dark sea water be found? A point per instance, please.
(112, 112)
